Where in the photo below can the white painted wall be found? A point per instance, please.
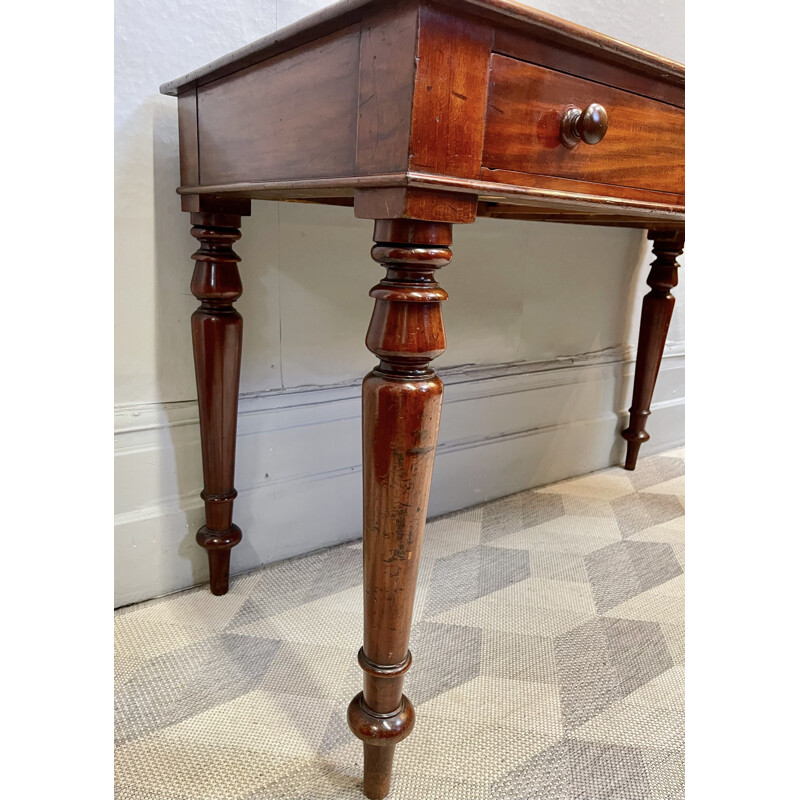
(526, 294)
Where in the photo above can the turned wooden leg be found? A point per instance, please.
(402, 400)
(217, 343)
(656, 313)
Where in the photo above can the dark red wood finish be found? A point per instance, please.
(376, 100)
(421, 113)
(217, 343)
(402, 402)
(656, 313)
(643, 148)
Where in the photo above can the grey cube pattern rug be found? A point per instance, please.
(548, 661)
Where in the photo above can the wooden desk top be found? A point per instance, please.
(440, 111)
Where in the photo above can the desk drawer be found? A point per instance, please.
(643, 147)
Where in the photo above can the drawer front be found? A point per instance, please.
(643, 147)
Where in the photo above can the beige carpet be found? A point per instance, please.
(548, 661)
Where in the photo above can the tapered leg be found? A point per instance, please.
(217, 343)
(656, 314)
(402, 399)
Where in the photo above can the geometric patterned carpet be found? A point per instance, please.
(548, 661)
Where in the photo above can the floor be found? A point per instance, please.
(548, 661)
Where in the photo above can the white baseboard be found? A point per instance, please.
(298, 463)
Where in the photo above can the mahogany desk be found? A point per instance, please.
(419, 114)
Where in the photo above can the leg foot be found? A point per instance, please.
(219, 555)
(656, 313)
(632, 452)
(377, 770)
(379, 733)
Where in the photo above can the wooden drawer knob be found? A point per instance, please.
(588, 125)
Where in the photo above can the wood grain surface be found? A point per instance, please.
(575, 58)
(290, 117)
(529, 21)
(450, 93)
(578, 187)
(401, 407)
(644, 146)
(386, 89)
(187, 138)
(412, 203)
